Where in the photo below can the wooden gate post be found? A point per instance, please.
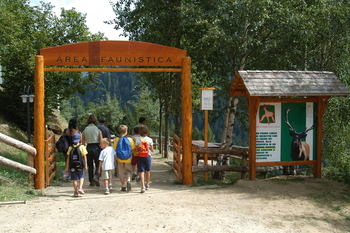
(39, 122)
(187, 177)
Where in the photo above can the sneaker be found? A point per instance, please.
(128, 186)
(97, 182)
(123, 189)
(92, 183)
(107, 191)
(110, 187)
(137, 178)
(76, 194)
(81, 191)
(147, 187)
(133, 176)
(143, 189)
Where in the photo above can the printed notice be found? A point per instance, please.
(268, 128)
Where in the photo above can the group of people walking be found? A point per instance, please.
(129, 157)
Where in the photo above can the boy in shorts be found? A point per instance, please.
(144, 161)
(106, 164)
(77, 174)
(124, 165)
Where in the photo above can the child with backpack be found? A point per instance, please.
(144, 147)
(76, 163)
(107, 160)
(123, 146)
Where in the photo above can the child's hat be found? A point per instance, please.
(76, 138)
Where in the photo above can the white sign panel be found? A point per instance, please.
(207, 100)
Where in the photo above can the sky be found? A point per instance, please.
(97, 11)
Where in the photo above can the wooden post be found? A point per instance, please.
(206, 142)
(252, 108)
(321, 105)
(187, 177)
(207, 103)
(39, 122)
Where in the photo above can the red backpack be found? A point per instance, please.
(143, 148)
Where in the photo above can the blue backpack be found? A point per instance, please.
(123, 149)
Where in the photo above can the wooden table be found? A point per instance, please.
(200, 156)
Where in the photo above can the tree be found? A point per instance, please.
(24, 31)
(223, 37)
(145, 105)
(155, 22)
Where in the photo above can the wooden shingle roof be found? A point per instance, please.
(287, 83)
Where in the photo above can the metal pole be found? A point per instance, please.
(27, 92)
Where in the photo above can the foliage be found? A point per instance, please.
(106, 106)
(110, 108)
(223, 37)
(24, 31)
(336, 140)
(148, 107)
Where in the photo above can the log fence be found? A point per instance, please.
(50, 157)
(24, 147)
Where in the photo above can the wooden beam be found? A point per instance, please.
(287, 100)
(201, 150)
(87, 69)
(17, 165)
(18, 144)
(286, 163)
(219, 168)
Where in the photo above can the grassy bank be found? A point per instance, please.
(16, 185)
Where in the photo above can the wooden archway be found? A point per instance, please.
(113, 53)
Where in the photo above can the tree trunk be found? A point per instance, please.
(231, 121)
(224, 131)
(166, 130)
(167, 100)
(177, 103)
(160, 146)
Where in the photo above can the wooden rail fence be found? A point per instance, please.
(177, 165)
(50, 159)
(157, 141)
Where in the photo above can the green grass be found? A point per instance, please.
(21, 188)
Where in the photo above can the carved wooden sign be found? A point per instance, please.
(113, 53)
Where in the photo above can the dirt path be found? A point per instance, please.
(247, 206)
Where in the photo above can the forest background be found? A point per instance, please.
(220, 36)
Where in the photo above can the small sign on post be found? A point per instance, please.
(207, 103)
(207, 98)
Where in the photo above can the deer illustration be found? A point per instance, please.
(299, 150)
(268, 114)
